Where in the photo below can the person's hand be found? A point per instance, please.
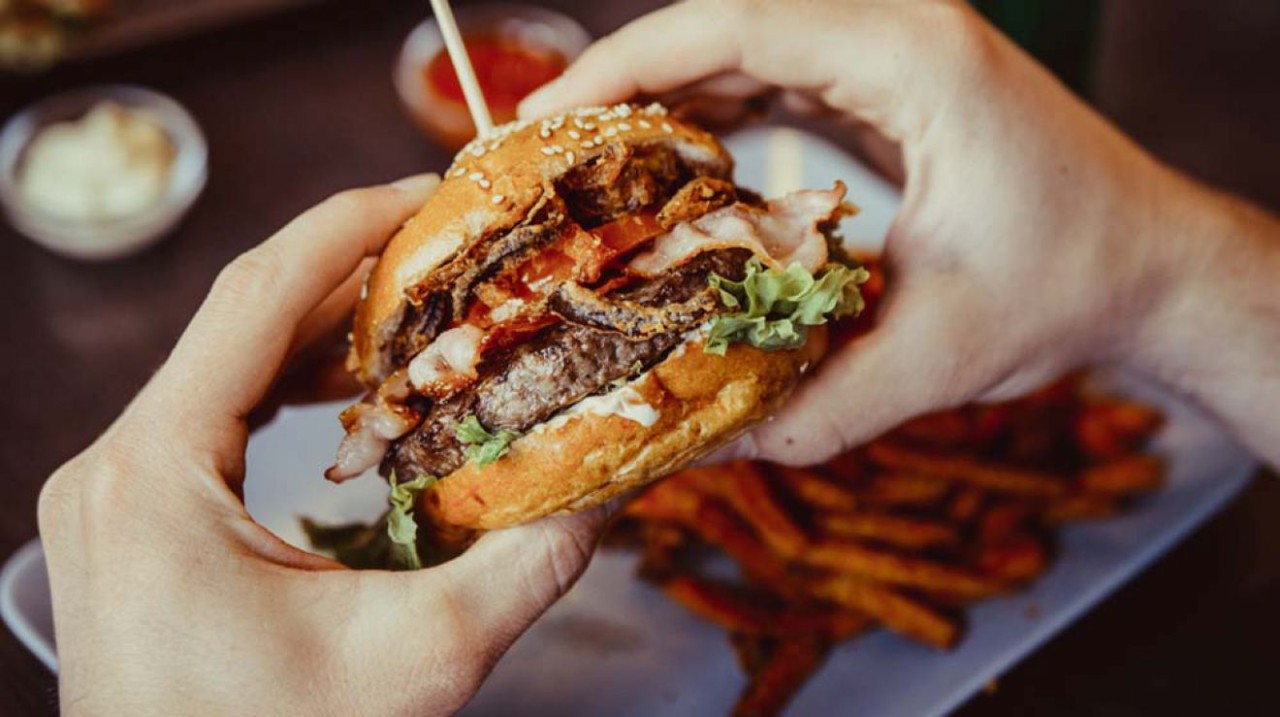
(1033, 236)
(169, 599)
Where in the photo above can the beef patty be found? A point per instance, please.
(532, 382)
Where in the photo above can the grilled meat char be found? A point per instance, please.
(532, 382)
(599, 338)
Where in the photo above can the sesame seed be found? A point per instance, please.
(623, 110)
(588, 144)
(475, 176)
(574, 134)
(577, 122)
(666, 127)
(478, 152)
(568, 156)
(484, 184)
(611, 132)
(590, 126)
(557, 148)
(548, 151)
(623, 126)
(461, 171)
(544, 133)
(644, 124)
(497, 199)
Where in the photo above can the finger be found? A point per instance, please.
(235, 346)
(510, 577)
(317, 379)
(856, 54)
(332, 318)
(920, 359)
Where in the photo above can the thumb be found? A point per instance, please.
(509, 578)
(915, 362)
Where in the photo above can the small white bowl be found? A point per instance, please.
(110, 239)
(449, 122)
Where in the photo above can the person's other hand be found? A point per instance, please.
(169, 599)
(1033, 236)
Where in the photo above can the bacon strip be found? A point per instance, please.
(784, 233)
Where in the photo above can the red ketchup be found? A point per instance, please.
(507, 71)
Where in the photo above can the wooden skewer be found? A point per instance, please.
(462, 65)
(784, 162)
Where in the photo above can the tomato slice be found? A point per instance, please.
(576, 255)
(510, 333)
(622, 235)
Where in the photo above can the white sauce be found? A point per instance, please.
(625, 402)
(110, 164)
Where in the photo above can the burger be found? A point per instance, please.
(585, 304)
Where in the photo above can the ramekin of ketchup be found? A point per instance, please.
(514, 49)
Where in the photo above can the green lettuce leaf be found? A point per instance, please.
(389, 543)
(402, 529)
(774, 305)
(480, 445)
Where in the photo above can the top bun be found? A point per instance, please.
(492, 186)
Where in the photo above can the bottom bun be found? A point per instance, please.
(569, 464)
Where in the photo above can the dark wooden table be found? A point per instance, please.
(300, 105)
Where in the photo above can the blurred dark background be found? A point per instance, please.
(299, 104)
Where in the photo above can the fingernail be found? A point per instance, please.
(542, 100)
(416, 184)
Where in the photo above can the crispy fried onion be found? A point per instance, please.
(580, 305)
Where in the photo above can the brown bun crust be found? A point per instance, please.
(492, 186)
(704, 401)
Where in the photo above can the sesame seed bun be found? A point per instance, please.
(493, 185)
(704, 401)
(699, 401)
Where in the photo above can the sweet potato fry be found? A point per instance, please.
(852, 559)
(750, 611)
(814, 490)
(903, 490)
(945, 429)
(1137, 473)
(1080, 506)
(846, 468)
(783, 673)
(754, 501)
(1018, 559)
(966, 505)
(664, 544)
(716, 525)
(712, 522)
(1001, 522)
(966, 469)
(666, 501)
(731, 607)
(909, 533)
(1109, 428)
(752, 650)
(897, 612)
(946, 510)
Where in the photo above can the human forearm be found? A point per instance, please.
(1215, 335)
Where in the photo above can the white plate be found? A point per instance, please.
(615, 646)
